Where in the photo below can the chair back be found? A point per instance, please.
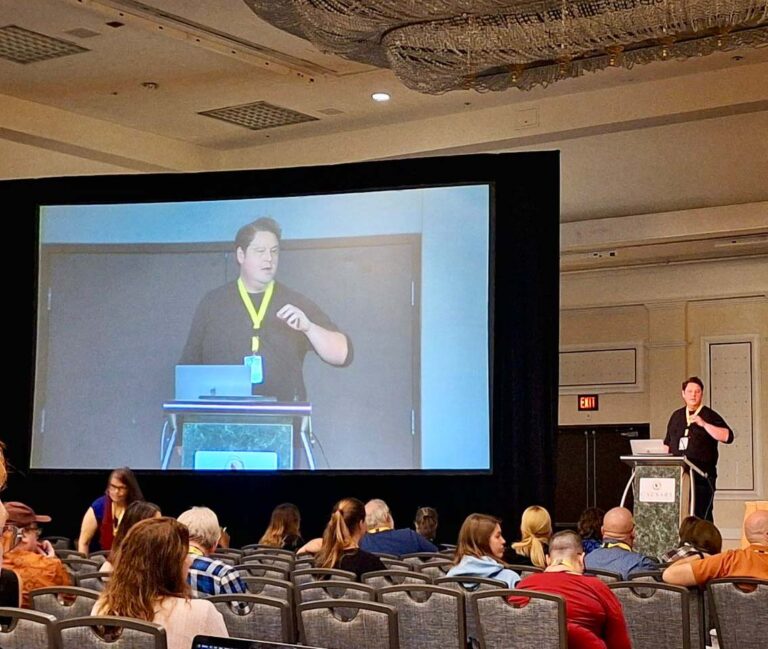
(263, 570)
(58, 542)
(540, 622)
(278, 560)
(256, 617)
(606, 576)
(428, 617)
(417, 558)
(468, 585)
(268, 587)
(25, 629)
(305, 575)
(396, 564)
(435, 569)
(524, 571)
(67, 553)
(384, 578)
(118, 633)
(63, 602)
(79, 565)
(657, 615)
(372, 625)
(336, 589)
(229, 559)
(92, 580)
(268, 550)
(740, 610)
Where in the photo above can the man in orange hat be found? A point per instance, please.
(34, 562)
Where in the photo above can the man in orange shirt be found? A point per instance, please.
(751, 561)
(35, 563)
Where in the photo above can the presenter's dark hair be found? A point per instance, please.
(247, 232)
(126, 476)
(690, 379)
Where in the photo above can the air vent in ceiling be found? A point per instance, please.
(24, 46)
(258, 115)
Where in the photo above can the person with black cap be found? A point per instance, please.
(34, 562)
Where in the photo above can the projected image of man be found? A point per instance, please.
(258, 321)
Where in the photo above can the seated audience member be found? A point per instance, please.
(616, 554)
(10, 588)
(208, 576)
(535, 530)
(480, 551)
(699, 538)
(340, 546)
(425, 523)
(149, 583)
(283, 531)
(589, 526)
(135, 512)
(383, 537)
(751, 561)
(594, 615)
(34, 562)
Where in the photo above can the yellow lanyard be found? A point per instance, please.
(196, 551)
(618, 544)
(690, 417)
(257, 317)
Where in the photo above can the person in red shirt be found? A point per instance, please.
(595, 619)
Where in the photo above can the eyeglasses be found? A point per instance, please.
(35, 531)
(118, 487)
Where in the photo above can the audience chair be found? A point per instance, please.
(524, 571)
(78, 565)
(385, 578)
(269, 587)
(63, 602)
(396, 564)
(657, 614)
(58, 542)
(540, 623)
(229, 559)
(417, 558)
(307, 575)
(372, 625)
(385, 555)
(278, 560)
(263, 570)
(606, 576)
(92, 580)
(468, 585)
(304, 561)
(335, 589)
(257, 617)
(740, 609)
(102, 632)
(26, 629)
(265, 549)
(435, 569)
(66, 553)
(100, 556)
(428, 617)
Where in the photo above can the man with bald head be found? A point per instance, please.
(751, 561)
(616, 554)
(594, 615)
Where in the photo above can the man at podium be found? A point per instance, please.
(694, 432)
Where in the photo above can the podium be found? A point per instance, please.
(232, 434)
(664, 495)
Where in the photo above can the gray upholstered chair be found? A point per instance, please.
(306, 575)
(396, 564)
(539, 623)
(118, 633)
(63, 602)
(79, 565)
(606, 576)
(263, 570)
(435, 569)
(524, 571)
(268, 587)
(646, 605)
(26, 629)
(252, 548)
(335, 589)
(428, 617)
(58, 542)
(229, 559)
(384, 578)
(263, 618)
(417, 558)
(304, 561)
(279, 560)
(466, 585)
(92, 580)
(373, 625)
(740, 610)
(68, 553)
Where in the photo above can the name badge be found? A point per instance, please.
(256, 363)
(683, 445)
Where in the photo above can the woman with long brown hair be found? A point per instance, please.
(138, 510)
(103, 517)
(283, 530)
(341, 539)
(149, 583)
(480, 551)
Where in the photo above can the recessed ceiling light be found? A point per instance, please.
(381, 96)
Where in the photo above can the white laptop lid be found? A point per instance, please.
(647, 447)
(212, 381)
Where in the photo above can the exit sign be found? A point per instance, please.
(588, 402)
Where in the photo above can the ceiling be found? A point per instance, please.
(664, 137)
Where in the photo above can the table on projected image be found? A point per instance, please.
(236, 435)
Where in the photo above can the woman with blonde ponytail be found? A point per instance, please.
(535, 528)
(341, 539)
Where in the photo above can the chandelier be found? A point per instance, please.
(434, 46)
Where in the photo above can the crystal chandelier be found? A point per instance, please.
(434, 46)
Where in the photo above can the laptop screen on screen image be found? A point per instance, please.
(212, 642)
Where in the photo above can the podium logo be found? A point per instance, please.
(657, 490)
